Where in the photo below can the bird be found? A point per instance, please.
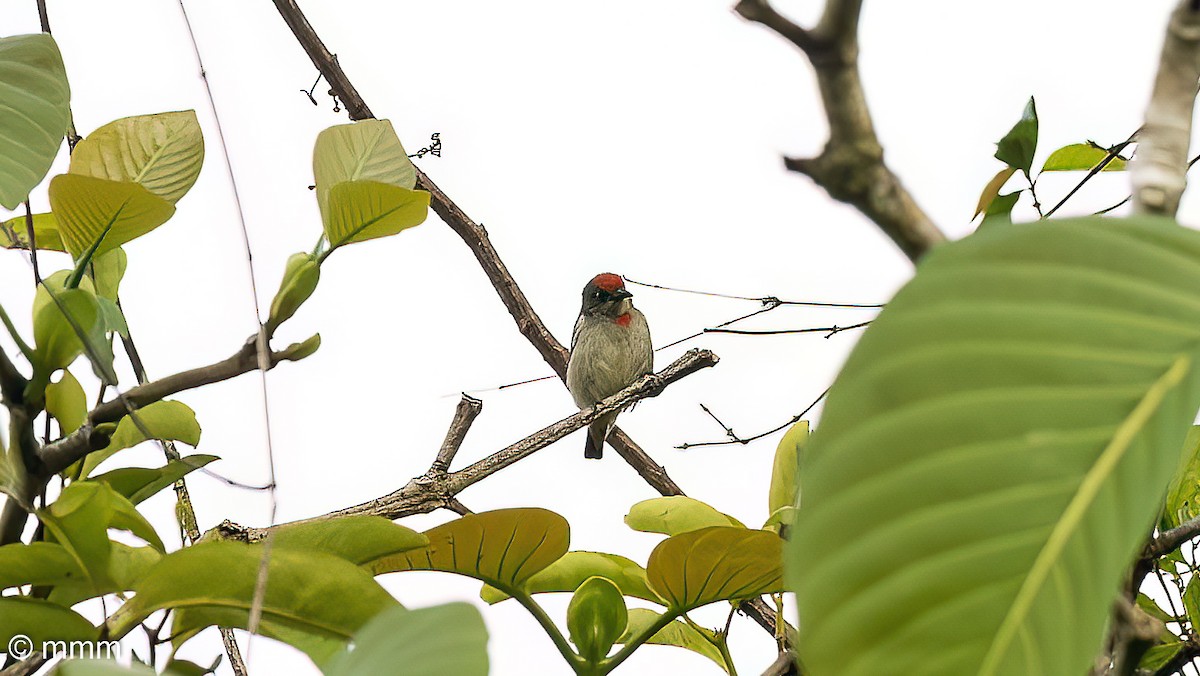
(610, 349)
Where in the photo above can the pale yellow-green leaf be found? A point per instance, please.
(95, 210)
(675, 514)
(34, 110)
(162, 152)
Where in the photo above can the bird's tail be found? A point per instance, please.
(594, 446)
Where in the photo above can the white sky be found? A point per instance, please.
(642, 138)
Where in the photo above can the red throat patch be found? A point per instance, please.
(623, 320)
(608, 282)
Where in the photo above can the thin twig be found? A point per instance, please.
(795, 419)
(827, 330)
(1111, 155)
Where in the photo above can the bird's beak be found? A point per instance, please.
(620, 294)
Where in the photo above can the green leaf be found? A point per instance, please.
(1183, 495)
(305, 348)
(55, 332)
(447, 639)
(307, 592)
(715, 564)
(162, 152)
(365, 183)
(992, 189)
(596, 617)
(41, 621)
(1151, 608)
(107, 270)
(37, 563)
(362, 210)
(999, 443)
(1081, 157)
(139, 483)
(567, 573)
(678, 633)
(1191, 602)
(126, 565)
(358, 539)
(676, 514)
(1018, 145)
(368, 150)
(34, 111)
(95, 212)
(167, 420)
(67, 403)
(1158, 656)
(15, 235)
(503, 548)
(999, 212)
(300, 278)
(784, 516)
(784, 488)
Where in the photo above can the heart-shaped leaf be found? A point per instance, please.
(504, 548)
(162, 152)
(102, 214)
(716, 564)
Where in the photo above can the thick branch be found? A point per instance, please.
(12, 383)
(1159, 171)
(1169, 541)
(61, 454)
(851, 167)
(435, 489)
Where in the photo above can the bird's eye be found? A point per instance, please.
(596, 294)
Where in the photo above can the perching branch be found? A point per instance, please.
(437, 488)
(1159, 171)
(851, 167)
(476, 238)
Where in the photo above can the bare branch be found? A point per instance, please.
(1159, 170)
(59, 455)
(468, 409)
(1170, 540)
(851, 167)
(435, 489)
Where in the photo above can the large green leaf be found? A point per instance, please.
(504, 548)
(448, 639)
(996, 449)
(715, 564)
(34, 111)
(162, 152)
(168, 420)
(14, 233)
(102, 667)
(675, 514)
(358, 539)
(126, 565)
(39, 621)
(308, 592)
(567, 573)
(96, 212)
(677, 633)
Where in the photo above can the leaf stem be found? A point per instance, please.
(633, 644)
(577, 663)
(12, 331)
